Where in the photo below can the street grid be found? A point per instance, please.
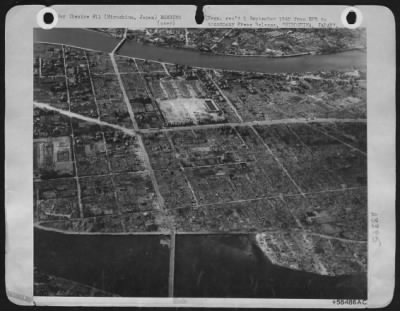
(138, 132)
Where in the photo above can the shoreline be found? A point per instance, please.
(293, 55)
(253, 234)
(144, 233)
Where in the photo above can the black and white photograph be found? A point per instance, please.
(200, 162)
(200, 157)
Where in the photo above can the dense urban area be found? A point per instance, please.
(131, 145)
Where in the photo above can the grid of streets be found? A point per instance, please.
(126, 145)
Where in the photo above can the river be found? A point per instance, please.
(205, 266)
(102, 42)
(126, 265)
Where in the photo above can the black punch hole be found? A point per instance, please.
(199, 17)
(48, 18)
(351, 18)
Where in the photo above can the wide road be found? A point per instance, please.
(195, 127)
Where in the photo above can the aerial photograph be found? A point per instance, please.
(200, 162)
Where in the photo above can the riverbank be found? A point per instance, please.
(291, 55)
(160, 233)
(195, 49)
(206, 52)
